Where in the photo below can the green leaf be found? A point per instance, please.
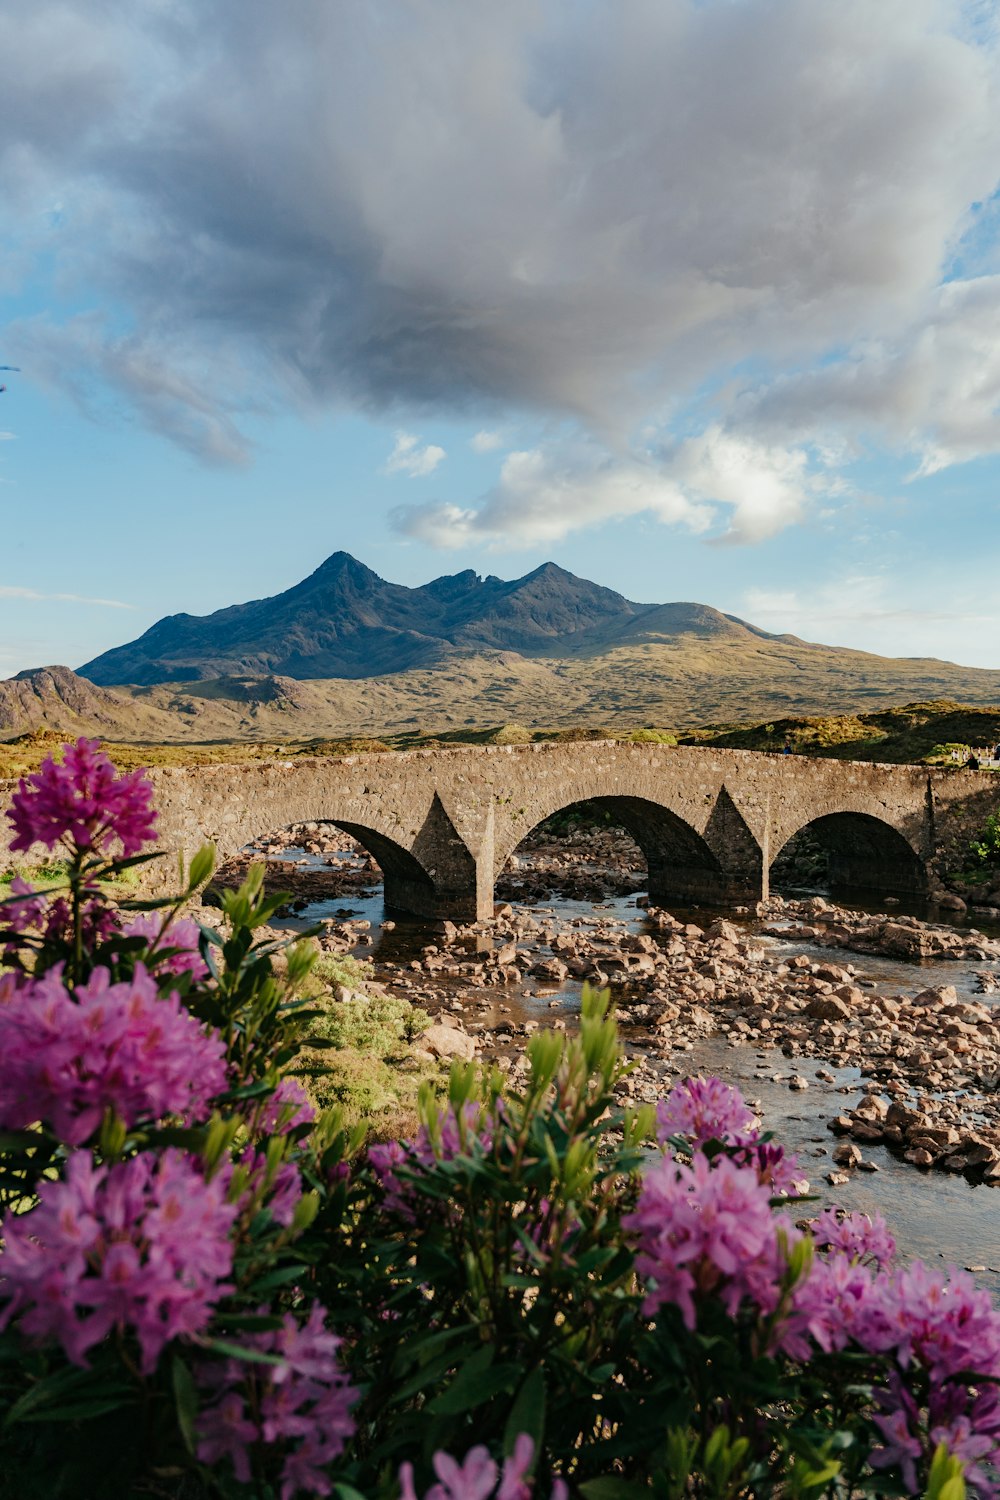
(240, 1351)
(611, 1487)
(528, 1412)
(59, 1389)
(202, 866)
(81, 1411)
(185, 1401)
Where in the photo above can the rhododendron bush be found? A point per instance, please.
(208, 1288)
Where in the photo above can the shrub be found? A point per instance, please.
(343, 968)
(984, 851)
(208, 1289)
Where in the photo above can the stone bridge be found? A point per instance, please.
(442, 823)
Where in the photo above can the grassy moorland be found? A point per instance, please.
(915, 733)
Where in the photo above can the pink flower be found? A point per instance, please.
(705, 1109)
(181, 934)
(856, 1234)
(303, 1405)
(83, 802)
(475, 1477)
(707, 1229)
(71, 1055)
(276, 1187)
(471, 1131)
(18, 915)
(288, 1107)
(142, 1246)
(939, 1332)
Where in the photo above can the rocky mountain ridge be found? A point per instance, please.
(345, 621)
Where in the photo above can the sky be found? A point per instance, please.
(698, 298)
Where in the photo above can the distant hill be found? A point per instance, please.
(912, 733)
(345, 654)
(346, 621)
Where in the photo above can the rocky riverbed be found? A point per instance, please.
(880, 1027)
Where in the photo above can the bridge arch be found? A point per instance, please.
(864, 852)
(427, 869)
(720, 866)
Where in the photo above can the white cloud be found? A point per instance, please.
(408, 457)
(9, 591)
(485, 442)
(933, 393)
(860, 609)
(764, 485)
(7, 437)
(543, 495)
(753, 489)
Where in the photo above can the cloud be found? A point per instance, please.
(9, 591)
(483, 210)
(7, 437)
(173, 392)
(934, 392)
(850, 609)
(485, 442)
(543, 495)
(408, 457)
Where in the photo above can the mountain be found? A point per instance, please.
(346, 621)
(345, 654)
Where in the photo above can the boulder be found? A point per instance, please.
(446, 1042)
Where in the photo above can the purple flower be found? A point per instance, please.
(276, 1186)
(838, 1303)
(71, 1055)
(939, 1333)
(83, 802)
(455, 1134)
(707, 1230)
(301, 1406)
(20, 915)
(288, 1107)
(705, 1109)
(50, 915)
(857, 1235)
(142, 1246)
(182, 934)
(476, 1476)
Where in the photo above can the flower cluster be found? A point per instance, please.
(859, 1236)
(288, 1108)
(941, 1334)
(302, 1403)
(708, 1231)
(50, 915)
(475, 1478)
(83, 802)
(705, 1111)
(71, 1055)
(142, 1247)
(264, 1183)
(455, 1133)
(178, 939)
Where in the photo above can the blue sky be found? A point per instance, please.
(699, 300)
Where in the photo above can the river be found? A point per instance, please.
(934, 1216)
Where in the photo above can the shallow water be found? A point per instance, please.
(934, 1216)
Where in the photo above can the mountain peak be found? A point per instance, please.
(343, 565)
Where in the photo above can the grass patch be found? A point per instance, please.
(370, 1067)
